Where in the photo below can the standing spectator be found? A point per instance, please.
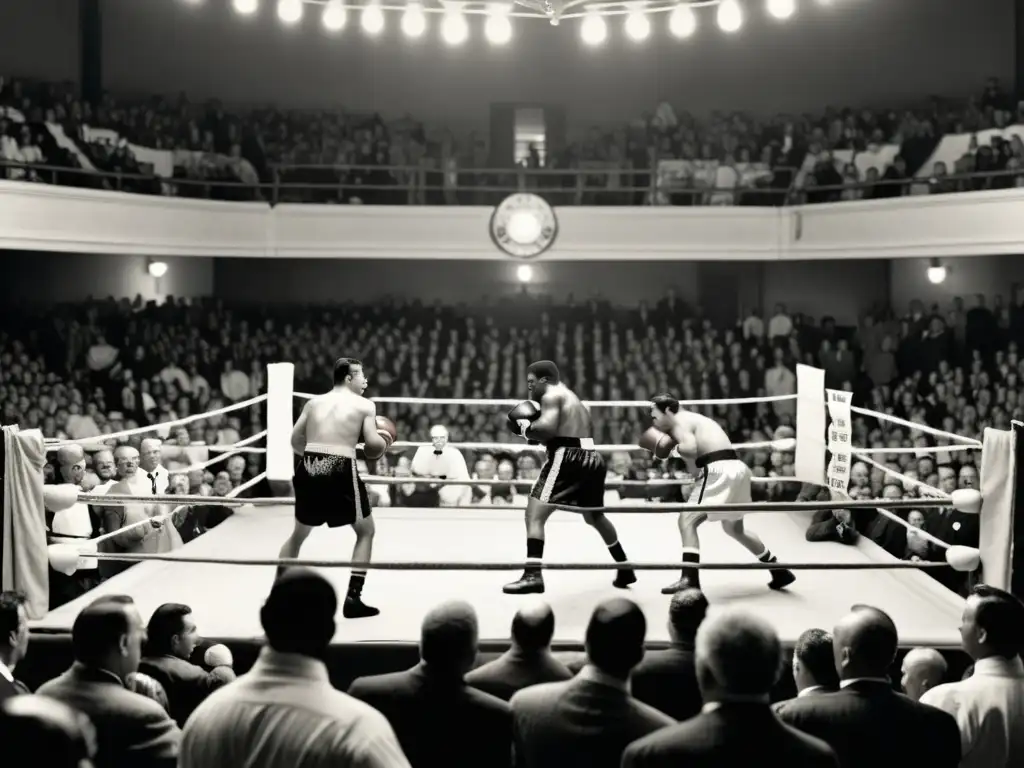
(149, 462)
(866, 722)
(13, 642)
(989, 705)
(105, 470)
(779, 380)
(438, 718)
(234, 384)
(171, 637)
(528, 661)
(444, 462)
(74, 526)
(753, 327)
(132, 730)
(738, 659)
(780, 325)
(284, 713)
(667, 680)
(923, 669)
(590, 720)
(814, 665)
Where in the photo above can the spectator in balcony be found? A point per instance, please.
(667, 679)
(440, 460)
(894, 180)
(591, 719)
(431, 707)
(528, 661)
(923, 669)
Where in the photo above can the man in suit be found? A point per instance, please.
(814, 665)
(866, 722)
(738, 659)
(172, 636)
(953, 527)
(528, 661)
(438, 718)
(13, 642)
(667, 680)
(588, 721)
(989, 705)
(132, 730)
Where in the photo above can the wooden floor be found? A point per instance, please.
(226, 598)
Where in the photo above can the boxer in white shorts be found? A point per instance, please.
(721, 479)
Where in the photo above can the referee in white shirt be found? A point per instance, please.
(441, 460)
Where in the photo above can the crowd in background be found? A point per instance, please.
(162, 145)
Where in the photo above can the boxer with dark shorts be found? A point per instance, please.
(328, 490)
(573, 475)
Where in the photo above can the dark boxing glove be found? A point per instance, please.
(657, 442)
(388, 432)
(522, 416)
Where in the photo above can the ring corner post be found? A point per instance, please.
(280, 394)
(809, 458)
(1002, 508)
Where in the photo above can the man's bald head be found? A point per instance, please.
(923, 669)
(448, 637)
(150, 443)
(865, 643)
(738, 656)
(67, 455)
(533, 627)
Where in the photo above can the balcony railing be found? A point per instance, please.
(405, 185)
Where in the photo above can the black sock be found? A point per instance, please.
(534, 554)
(355, 584)
(618, 555)
(693, 574)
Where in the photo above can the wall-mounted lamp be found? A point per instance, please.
(157, 269)
(936, 272)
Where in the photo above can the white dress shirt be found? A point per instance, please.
(159, 479)
(450, 464)
(5, 673)
(285, 713)
(989, 709)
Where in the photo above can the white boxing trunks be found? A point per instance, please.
(724, 479)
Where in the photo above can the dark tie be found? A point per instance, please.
(152, 479)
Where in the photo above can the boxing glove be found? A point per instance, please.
(657, 442)
(522, 416)
(387, 430)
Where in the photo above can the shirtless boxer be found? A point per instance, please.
(328, 490)
(722, 479)
(572, 476)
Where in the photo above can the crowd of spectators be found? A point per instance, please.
(155, 694)
(161, 145)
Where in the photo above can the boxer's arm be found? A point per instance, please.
(373, 444)
(545, 426)
(299, 431)
(686, 442)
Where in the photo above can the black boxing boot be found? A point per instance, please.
(532, 583)
(781, 578)
(690, 578)
(623, 576)
(354, 607)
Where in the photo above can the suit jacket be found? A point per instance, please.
(10, 688)
(514, 670)
(989, 710)
(818, 690)
(186, 684)
(132, 731)
(727, 735)
(587, 722)
(869, 725)
(667, 681)
(438, 721)
(956, 528)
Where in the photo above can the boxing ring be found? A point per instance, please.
(425, 556)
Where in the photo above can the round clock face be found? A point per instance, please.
(523, 225)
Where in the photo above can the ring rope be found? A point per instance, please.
(53, 445)
(919, 427)
(416, 480)
(222, 457)
(588, 403)
(751, 508)
(925, 450)
(785, 444)
(930, 489)
(382, 565)
(918, 532)
(220, 448)
(166, 516)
